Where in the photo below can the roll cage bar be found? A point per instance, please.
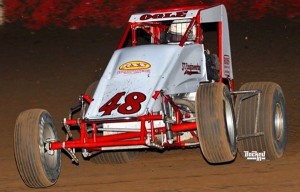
(156, 28)
(198, 15)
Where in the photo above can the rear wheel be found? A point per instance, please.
(216, 123)
(34, 130)
(116, 157)
(271, 120)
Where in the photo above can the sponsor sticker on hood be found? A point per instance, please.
(191, 69)
(134, 67)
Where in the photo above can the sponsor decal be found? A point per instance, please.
(163, 15)
(135, 67)
(226, 65)
(190, 69)
(255, 156)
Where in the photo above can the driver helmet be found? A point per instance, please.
(178, 28)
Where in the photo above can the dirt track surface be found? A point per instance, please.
(49, 69)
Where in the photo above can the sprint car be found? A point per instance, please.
(168, 85)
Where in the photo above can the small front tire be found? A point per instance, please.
(37, 166)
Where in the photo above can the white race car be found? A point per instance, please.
(163, 88)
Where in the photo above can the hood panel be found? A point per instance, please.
(135, 73)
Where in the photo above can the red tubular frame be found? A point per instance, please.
(94, 142)
(220, 48)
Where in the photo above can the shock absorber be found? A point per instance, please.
(167, 119)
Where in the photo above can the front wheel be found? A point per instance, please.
(34, 130)
(216, 123)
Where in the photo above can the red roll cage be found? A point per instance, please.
(89, 138)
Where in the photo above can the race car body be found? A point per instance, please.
(169, 84)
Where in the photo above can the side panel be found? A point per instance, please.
(219, 14)
(189, 70)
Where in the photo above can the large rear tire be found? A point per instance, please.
(33, 130)
(271, 120)
(216, 123)
(115, 157)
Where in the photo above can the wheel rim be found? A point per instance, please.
(278, 121)
(49, 157)
(229, 118)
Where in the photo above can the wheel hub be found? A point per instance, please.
(278, 120)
